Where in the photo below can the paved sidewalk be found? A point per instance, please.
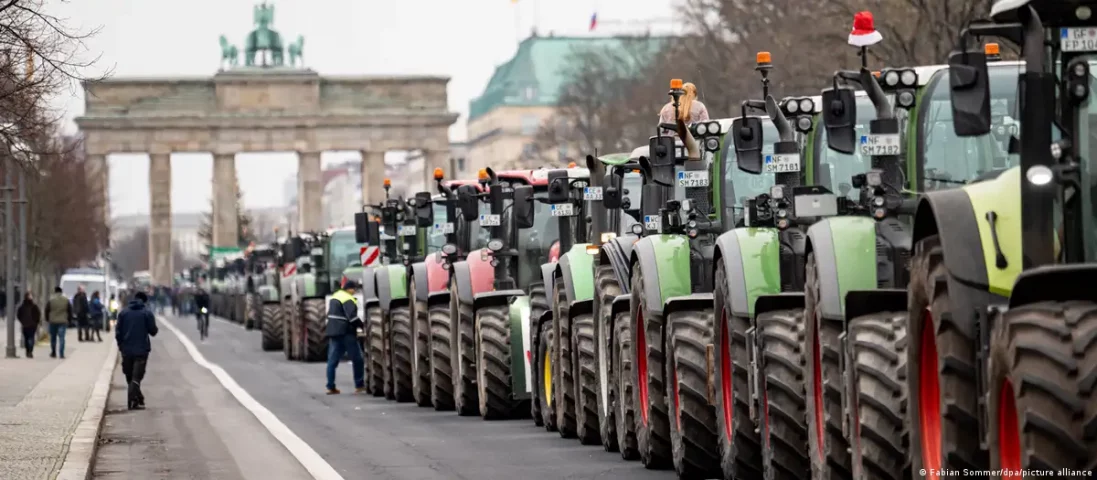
(42, 402)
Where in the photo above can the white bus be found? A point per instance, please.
(91, 278)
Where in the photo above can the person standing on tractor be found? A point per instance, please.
(343, 324)
(690, 110)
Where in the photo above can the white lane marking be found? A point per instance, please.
(312, 461)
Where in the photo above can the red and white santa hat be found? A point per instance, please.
(864, 30)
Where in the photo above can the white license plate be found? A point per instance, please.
(385, 236)
(490, 221)
(653, 222)
(407, 230)
(443, 228)
(562, 210)
(782, 163)
(881, 144)
(592, 193)
(693, 179)
(1078, 39)
(318, 251)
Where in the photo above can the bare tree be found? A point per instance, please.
(244, 231)
(131, 254)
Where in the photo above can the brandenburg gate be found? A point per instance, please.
(265, 105)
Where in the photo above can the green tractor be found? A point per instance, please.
(308, 284)
(389, 330)
(1001, 309)
(263, 300)
(489, 309)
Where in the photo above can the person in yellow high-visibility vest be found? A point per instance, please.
(343, 324)
(112, 311)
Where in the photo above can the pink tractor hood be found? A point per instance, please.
(481, 271)
(437, 276)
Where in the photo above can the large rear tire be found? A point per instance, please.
(830, 457)
(784, 404)
(606, 289)
(544, 375)
(420, 379)
(586, 380)
(376, 339)
(563, 367)
(1043, 372)
(624, 377)
(400, 353)
(315, 319)
(465, 400)
(271, 327)
(287, 328)
(538, 305)
(493, 367)
(252, 310)
(653, 427)
(942, 358)
(736, 435)
(878, 349)
(694, 450)
(441, 370)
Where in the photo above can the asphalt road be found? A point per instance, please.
(359, 436)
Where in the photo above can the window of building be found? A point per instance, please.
(527, 150)
(530, 124)
(460, 164)
(529, 93)
(562, 151)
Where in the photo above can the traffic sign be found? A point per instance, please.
(369, 255)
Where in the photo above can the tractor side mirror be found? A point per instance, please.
(297, 248)
(557, 186)
(970, 93)
(467, 202)
(523, 205)
(840, 118)
(361, 230)
(424, 214)
(660, 160)
(611, 198)
(748, 143)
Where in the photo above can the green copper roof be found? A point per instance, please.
(534, 76)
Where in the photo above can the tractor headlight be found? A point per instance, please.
(495, 245)
(592, 250)
(878, 201)
(714, 128)
(702, 128)
(637, 229)
(906, 99)
(908, 78)
(777, 192)
(803, 124)
(607, 236)
(792, 106)
(807, 106)
(891, 78)
(873, 179)
(449, 249)
(712, 143)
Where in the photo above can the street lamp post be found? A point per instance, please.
(9, 269)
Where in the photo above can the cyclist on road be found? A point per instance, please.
(201, 304)
(343, 324)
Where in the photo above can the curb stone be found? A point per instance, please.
(80, 454)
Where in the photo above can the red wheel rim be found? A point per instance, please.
(725, 372)
(929, 399)
(1009, 431)
(642, 366)
(817, 387)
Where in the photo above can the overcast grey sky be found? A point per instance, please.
(462, 39)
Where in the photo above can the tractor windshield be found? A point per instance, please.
(631, 185)
(844, 166)
(343, 251)
(436, 238)
(1087, 147)
(739, 185)
(534, 243)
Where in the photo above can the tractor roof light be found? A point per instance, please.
(388, 183)
(763, 60)
(439, 174)
(992, 51)
(482, 174)
(676, 84)
(571, 165)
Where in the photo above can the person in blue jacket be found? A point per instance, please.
(136, 324)
(97, 312)
(343, 324)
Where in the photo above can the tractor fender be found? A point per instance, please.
(267, 293)
(780, 301)
(866, 302)
(494, 298)
(755, 250)
(399, 302)
(437, 298)
(520, 347)
(580, 307)
(845, 259)
(617, 254)
(665, 258)
(419, 277)
(463, 277)
(950, 215)
(437, 275)
(692, 302)
(576, 267)
(369, 284)
(620, 305)
(1056, 283)
(548, 276)
(384, 288)
(306, 285)
(481, 273)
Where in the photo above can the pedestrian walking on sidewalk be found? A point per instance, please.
(29, 317)
(136, 324)
(58, 314)
(342, 329)
(96, 313)
(80, 310)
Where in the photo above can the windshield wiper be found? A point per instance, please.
(947, 180)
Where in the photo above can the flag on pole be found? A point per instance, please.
(593, 21)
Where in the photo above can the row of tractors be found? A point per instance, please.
(707, 303)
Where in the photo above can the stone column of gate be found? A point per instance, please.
(310, 190)
(373, 177)
(225, 229)
(160, 260)
(99, 173)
